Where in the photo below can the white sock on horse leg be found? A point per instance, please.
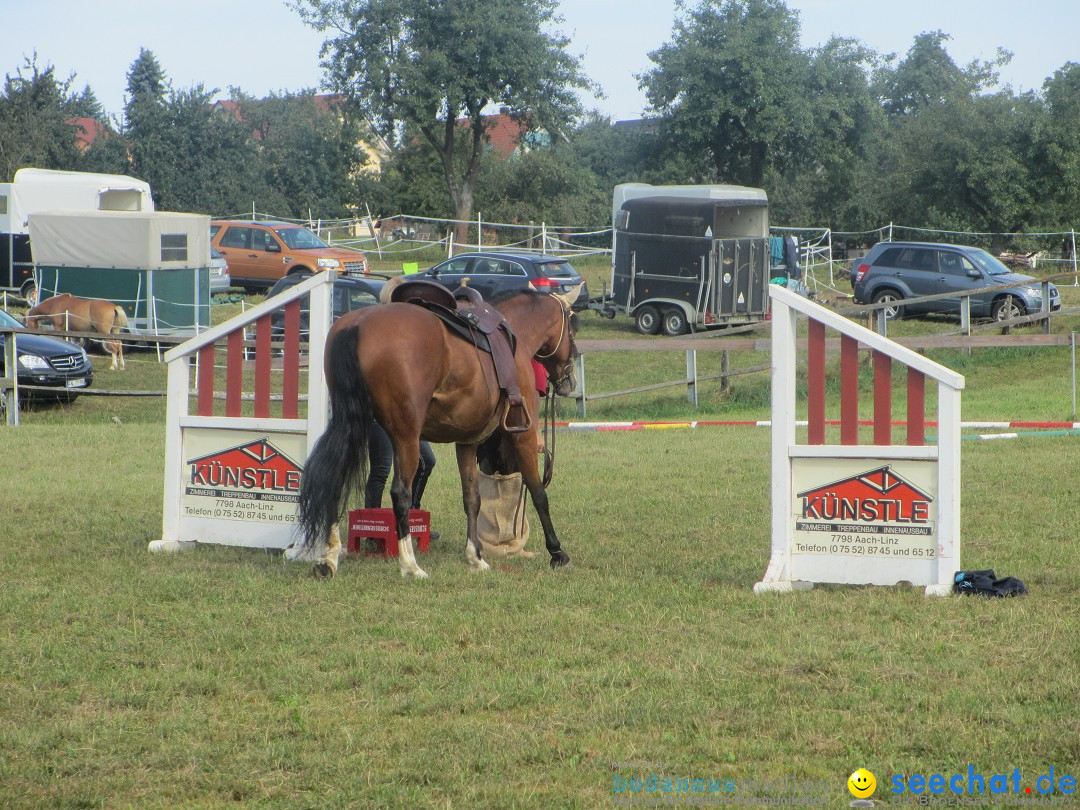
(407, 559)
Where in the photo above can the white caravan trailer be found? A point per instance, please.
(36, 190)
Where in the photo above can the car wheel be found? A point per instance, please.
(890, 297)
(647, 320)
(29, 291)
(1007, 308)
(295, 271)
(675, 323)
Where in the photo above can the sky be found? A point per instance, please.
(260, 46)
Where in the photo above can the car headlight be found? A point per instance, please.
(32, 362)
(329, 263)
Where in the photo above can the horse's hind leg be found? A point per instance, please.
(470, 496)
(116, 349)
(326, 565)
(405, 464)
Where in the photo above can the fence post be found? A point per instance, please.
(374, 233)
(580, 362)
(965, 319)
(479, 232)
(691, 376)
(11, 372)
(1072, 352)
(1045, 307)
(1076, 279)
(725, 367)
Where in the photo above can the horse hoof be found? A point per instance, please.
(480, 566)
(419, 573)
(560, 560)
(324, 569)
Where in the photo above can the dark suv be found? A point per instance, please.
(894, 271)
(489, 272)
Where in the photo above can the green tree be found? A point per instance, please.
(195, 157)
(730, 87)
(825, 187)
(1058, 146)
(928, 76)
(108, 154)
(146, 123)
(207, 160)
(35, 107)
(619, 154)
(956, 155)
(543, 185)
(87, 105)
(308, 149)
(416, 67)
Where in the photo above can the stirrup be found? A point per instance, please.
(517, 427)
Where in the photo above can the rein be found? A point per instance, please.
(549, 436)
(549, 401)
(562, 333)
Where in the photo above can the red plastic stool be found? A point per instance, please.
(378, 524)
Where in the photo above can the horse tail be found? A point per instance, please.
(338, 464)
(120, 320)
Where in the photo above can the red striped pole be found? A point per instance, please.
(849, 390)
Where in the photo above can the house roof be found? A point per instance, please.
(504, 132)
(87, 130)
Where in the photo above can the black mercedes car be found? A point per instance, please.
(46, 361)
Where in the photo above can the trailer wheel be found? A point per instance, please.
(29, 291)
(675, 323)
(647, 320)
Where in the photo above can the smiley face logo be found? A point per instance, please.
(862, 784)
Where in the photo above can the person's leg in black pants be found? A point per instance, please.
(380, 462)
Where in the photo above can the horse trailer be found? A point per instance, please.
(35, 190)
(154, 264)
(688, 257)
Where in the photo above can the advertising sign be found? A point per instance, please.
(883, 512)
(241, 484)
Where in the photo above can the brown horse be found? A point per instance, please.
(72, 314)
(398, 364)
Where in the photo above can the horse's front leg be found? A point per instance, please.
(470, 497)
(406, 460)
(118, 354)
(525, 450)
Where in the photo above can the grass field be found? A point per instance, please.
(226, 676)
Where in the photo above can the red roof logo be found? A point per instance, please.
(875, 496)
(257, 465)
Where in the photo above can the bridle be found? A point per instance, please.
(567, 369)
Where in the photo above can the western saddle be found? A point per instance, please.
(467, 315)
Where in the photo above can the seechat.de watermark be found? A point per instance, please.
(973, 783)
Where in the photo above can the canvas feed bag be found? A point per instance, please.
(503, 526)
